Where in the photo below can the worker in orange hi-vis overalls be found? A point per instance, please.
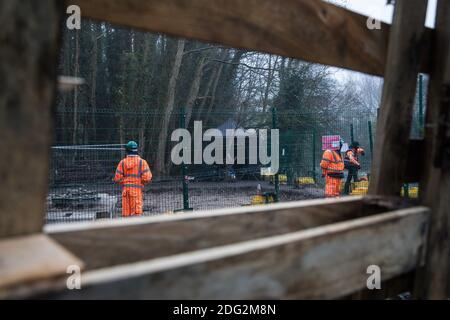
(333, 170)
(132, 173)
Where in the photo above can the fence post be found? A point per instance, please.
(184, 167)
(277, 178)
(352, 134)
(314, 156)
(406, 190)
(369, 124)
(421, 104)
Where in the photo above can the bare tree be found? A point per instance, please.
(168, 109)
(195, 87)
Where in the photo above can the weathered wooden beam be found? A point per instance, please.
(435, 186)
(309, 30)
(395, 117)
(414, 169)
(28, 259)
(28, 55)
(109, 243)
(390, 289)
(324, 262)
(29, 34)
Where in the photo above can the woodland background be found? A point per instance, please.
(136, 84)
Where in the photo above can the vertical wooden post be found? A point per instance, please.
(435, 185)
(394, 123)
(29, 37)
(28, 56)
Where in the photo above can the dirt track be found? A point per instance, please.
(167, 197)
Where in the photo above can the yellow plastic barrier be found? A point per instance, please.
(359, 188)
(262, 199)
(361, 184)
(359, 191)
(413, 192)
(282, 178)
(258, 199)
(305, 180)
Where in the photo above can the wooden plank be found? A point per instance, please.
(28, 55)
(309, 30)
(109, 243)
(27, 259)
(414, 169)
(324, 262)
(435, 186)
(394, 122)
(390, 289)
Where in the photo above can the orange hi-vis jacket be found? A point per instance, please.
(332, 164)
(133, 172)
(333, 170)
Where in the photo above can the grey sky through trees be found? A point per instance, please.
(378, 9)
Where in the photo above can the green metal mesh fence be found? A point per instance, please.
(89, 145)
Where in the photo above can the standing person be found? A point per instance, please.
(351, 161)
(132, 174)
(333, 171)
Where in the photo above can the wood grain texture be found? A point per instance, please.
(109, 243)
(28, 56)
(324, 262)
(309, 30)
(395, 117)
(390, 289)
(27, 259)
(435, 185)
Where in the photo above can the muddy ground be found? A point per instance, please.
(167, 197)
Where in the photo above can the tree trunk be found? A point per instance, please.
(65, 135)
(94, 79)
(206, 96)
(75, 92)
(121, 133)
(213, 93)
(170, 101)
(195, 87)
(269, 82)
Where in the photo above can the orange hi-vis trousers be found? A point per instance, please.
(132, 201)
(332, 187)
